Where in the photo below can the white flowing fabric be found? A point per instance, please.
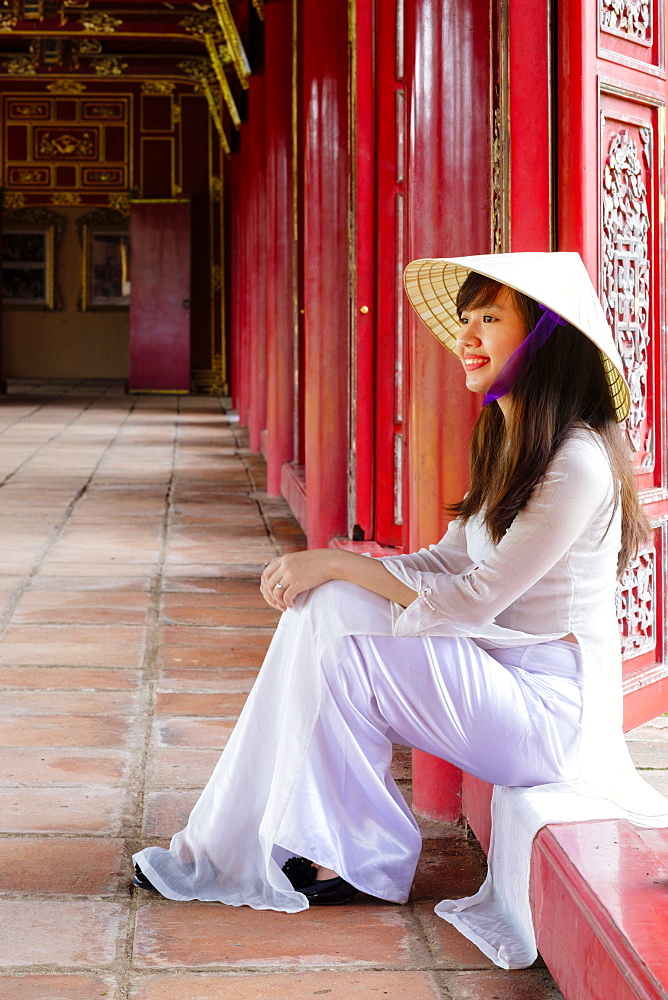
(553, 573)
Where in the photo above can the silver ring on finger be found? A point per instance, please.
(279, 586)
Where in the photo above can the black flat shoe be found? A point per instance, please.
(141, 881)
(326, 892)
(329, 892)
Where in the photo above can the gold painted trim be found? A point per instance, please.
(85, 268)
(215, 113)
(50, 271)
(159, 201)
(158, 392)
(219, 70)
(500, 216)
(233, 40)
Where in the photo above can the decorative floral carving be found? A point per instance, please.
(626, 270)
(197, 69)
(89, 46)
(259, 7)
(120, 202)
(217, 189)
(21, 66)
(104, 176)
(108, 66)
(66, 198)
(158, 87)
(200, 24)
(636, 605)
(8, 21)
(37, 215)
(30, 177)
(102, 218)
(66, 145)
(629, 18)
(29, 110)
(497, 183)
(66, 87)
(13, 200)
(104, 111)
(101, 24)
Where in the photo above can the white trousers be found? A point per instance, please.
(317, 783)
(510, 717)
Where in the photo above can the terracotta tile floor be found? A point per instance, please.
(133, 532)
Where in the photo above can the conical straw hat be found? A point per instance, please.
(556, 280)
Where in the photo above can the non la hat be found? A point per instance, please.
(557, 280)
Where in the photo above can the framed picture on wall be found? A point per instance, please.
(28, 268)
(105, 281)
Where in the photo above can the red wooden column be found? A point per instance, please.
(256, 264)
(324, 48)
(280, 242)
(448, 212)
(363, 329)
(529, 139)
(239, 279)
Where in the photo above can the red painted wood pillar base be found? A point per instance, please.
(436, 788)
(280, 240)
(324, 50)
(448, 212)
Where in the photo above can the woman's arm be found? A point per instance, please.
(450, 555)
(299, 571)
(574, 495)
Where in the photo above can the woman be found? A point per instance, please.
(497, 649)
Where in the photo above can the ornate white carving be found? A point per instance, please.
(636, 605)
(626, 271)
(630, 18)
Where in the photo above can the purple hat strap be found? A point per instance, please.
(518, 361)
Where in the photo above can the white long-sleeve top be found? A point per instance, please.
(553, 573)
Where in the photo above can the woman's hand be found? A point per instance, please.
(287, 576)
(299, 571)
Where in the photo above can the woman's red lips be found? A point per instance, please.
(474, 361)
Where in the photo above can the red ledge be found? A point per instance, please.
(599, 895)
(293, 488)
(364, 548)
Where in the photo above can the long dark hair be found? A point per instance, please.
(565, 385)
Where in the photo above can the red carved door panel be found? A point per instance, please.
(611, 115)
(160, 296)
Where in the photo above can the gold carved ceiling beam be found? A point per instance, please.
(233, 41)
(63, 18)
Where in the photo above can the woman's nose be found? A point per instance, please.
(468, 334)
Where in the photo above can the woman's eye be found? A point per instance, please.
(488, 319)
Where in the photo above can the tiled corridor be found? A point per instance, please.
(133, 533)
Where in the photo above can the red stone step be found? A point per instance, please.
(599, 895)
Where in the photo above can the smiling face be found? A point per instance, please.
(490, 333)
